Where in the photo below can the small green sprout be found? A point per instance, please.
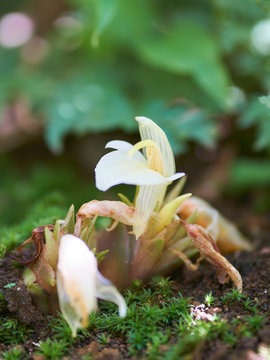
(100, 255)
(209, 299)
(12, 332)
(162, 285)
(229, 338)
(137, 284)
(10, 285)
(153, 347)
(248, 306)
(233, 295)
(62, 331)
(255, 322)
(103, 339)
(15, 354)
(52, 350)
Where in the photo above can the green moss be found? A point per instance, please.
(52, 350)
(15, 354)
(3, 250)
(12, 331)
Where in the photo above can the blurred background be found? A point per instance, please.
(74, 73)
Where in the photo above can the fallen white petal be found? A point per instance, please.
(79, 283)
(76, 281)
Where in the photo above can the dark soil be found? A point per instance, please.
(254, 268)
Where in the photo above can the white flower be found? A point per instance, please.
(153, 171)
(79, 283)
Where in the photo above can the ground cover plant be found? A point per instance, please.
(74, 74)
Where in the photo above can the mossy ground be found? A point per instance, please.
(161, 323)
(189, 316)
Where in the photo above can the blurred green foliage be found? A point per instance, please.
(257, 113)
(108, 60)
(37, 196)
(95, 64)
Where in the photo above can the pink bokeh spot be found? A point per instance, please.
(16, 29)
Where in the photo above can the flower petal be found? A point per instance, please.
(116, 210)
(168, 211)
(76, 281)
(150, 130)
(119, 145)
(106, 291)
(145, 203)
(117, 167)
(125, 147)
(175, 177)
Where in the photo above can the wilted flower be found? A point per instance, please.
(153, 171)
(79, 283)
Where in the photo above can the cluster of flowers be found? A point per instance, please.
(153, 234)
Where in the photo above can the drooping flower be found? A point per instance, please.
(152, 171)
(79, 283)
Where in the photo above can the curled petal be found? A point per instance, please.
(119, 145)
(146, 200)
(106, 291)
(116, 210)
(151, 131)
(38, 238)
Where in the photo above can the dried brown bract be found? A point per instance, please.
(208, 250)
(38, 238)
(115, 210)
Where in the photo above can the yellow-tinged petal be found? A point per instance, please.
(151, 131)
(152, 172)
(50, 251)
(79, 283)
(146, 200)
(140, 145)
(76, 281)
(168, 211)
(153, 154)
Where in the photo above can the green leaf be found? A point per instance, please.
(257, 113)
(250, 173)
(189, 49)
(82, 105)
(131, 23)
(105, 11)
(183, 123)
